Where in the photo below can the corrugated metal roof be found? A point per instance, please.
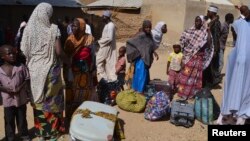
(117, 3)
(241, 2)
(223, 2)
(58, 3)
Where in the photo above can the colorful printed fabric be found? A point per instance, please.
(54, 99)
(78, 92)
(190, 78)
(48, 124)
(48, 114)
(157, 106)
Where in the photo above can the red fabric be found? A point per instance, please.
(83, 54)
(190, 78)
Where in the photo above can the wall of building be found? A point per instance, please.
(170, 11)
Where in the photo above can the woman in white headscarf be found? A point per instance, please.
(41, 46)
(157, 33)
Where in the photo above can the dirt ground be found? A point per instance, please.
(136, 128)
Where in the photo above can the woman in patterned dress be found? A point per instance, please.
(78, 47)
(41, 46)
(197, 54)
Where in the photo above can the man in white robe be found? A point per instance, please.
(106, 55)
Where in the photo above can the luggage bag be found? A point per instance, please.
(93, 121)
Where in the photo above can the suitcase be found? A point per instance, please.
(160, 85)
(182, 113)
(95, 128)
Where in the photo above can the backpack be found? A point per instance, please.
(206, 108)
(157, 106)
(182, 113)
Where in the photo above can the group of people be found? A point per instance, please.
(196, 62)
(201, 51)
(197, 59)
(38, 79)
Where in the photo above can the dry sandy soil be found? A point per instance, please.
(136, 127)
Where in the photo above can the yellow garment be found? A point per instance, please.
(129, 75)
(73, 43)
(86, 114)
(79, 90)
(175, 61)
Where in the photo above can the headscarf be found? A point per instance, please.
(77, 47)
(107, 13)
(77, 41)
(23, 24)
(141, 45)
(192, 41)
(157, 33)
(38, 45)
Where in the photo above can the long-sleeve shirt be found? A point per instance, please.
(121, 65)
(19, 75)
(224, 35)
(215, 31)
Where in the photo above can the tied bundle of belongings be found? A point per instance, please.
(94, 121)
(131, 101)
(157, 85)
(182, 113)
(157, 107)
(206, 107)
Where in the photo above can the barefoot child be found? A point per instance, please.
(121, 66)
(14, 79)
(174, 66)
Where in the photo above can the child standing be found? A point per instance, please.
(121, 66)
(174, 66)
(14, 79)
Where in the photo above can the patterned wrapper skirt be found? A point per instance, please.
(190, 77)
(48, 115)
(48, 124)
(80, 89)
